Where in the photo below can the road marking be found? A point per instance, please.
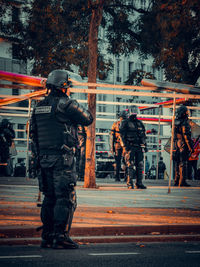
(197, 251)
(17, 185)
(23, 256)
(115, 254)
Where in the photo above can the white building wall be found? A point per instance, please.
(5, 49)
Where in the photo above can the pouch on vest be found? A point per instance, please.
(68, 156)
(69, 139)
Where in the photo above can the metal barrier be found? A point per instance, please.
(112, 91)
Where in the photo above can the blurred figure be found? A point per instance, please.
(161, 168)
(183, 146)
(192, 162)
(133, 136)
(152, 171)
(7, 134)
(147, 165)
(115, 143)
(20, 169)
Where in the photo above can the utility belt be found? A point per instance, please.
(50, 152)
(133, 144)
(57, 151)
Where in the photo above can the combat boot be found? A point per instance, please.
(47, 240)
(130, 184)
(64, 241)
(185, 184)
(140, 186)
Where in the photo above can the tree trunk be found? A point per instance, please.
(97, 8)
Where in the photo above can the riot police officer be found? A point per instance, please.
(7, 134)
(134, 144)
(183, 146)
(54, 131)
(115, 142)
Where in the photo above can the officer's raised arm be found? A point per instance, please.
(77, 113)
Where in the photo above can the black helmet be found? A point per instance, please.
(57, 79)
(134, 112)
(182, 112)
(5, 122)
(123, 114)
(133, 116)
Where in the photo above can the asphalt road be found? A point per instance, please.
(110, 212)
(105, 255)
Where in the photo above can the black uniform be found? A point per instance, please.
(183, 146)
(54, 131)
(161, 169)
(7, 134)
(134, 141)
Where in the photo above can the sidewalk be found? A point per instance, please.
(111, 213)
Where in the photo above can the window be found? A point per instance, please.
(118, 106)
(118, 68)
(102, 107)
(14, 90)
(130, 67)
(148, 68)
(138, 66)
(21, 133)
(143, 67)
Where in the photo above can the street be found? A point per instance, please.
(118, 255)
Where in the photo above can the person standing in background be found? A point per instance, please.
(133, 136)
(115, 143)
(161, 168)
(7, 134)
(192, 162)
(183, 146)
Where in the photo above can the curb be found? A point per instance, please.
(85, 235)
(20, 231)
(106, 239)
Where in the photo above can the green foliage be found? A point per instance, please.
(171, 34)
(9, 29)
(56, 35)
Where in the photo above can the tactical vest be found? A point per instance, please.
(50, 131)
(135, 133)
